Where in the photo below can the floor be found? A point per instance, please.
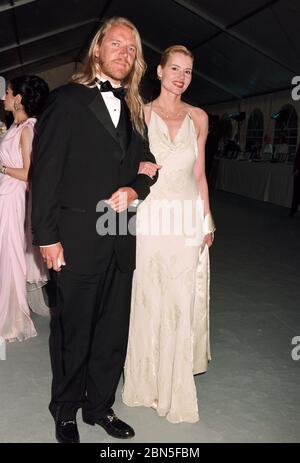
(251, 390)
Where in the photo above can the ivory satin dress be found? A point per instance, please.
(169, 326)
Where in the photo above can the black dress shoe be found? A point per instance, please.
(113, 426)
(67, 432)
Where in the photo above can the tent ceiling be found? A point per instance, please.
(242, 48)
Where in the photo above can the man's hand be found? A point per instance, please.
(121, 199)
(53, 256)
(148, 168)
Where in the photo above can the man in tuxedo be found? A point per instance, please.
(91, 146)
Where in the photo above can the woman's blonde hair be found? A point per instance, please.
(131, 82)
(174, 49)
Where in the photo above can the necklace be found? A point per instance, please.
(168, 115)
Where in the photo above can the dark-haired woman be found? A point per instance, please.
(25, 98)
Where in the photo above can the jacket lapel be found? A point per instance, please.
(99, 109)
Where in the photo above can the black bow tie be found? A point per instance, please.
(106, 86)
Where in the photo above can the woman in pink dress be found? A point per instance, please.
(25, 97)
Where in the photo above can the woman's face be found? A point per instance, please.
(10, 99)
(176, 75)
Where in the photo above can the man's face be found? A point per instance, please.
(117, 53)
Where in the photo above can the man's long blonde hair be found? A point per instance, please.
(131, 82)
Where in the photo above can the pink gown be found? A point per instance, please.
(19, 262)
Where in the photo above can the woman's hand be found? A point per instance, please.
(208, 239)
(148, 168)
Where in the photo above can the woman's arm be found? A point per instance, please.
(21, 173)
(200, 119)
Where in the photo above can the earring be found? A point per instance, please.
(17, 106)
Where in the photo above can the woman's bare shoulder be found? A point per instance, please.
(200, 119)
(27, 132)
(198, 113)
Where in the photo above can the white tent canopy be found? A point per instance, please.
(242, 48)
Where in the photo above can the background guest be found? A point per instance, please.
(25, 97)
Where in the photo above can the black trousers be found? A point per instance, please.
(296, 195)
(88, 341)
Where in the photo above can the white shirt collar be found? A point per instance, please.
(104, 80)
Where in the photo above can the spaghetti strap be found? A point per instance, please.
(150, 108)
(148, 118)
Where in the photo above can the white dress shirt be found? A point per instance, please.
(112, 103)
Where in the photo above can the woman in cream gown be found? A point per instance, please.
(169, 326)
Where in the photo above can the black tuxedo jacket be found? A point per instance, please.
(79, 160)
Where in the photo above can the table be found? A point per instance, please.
(265, 181)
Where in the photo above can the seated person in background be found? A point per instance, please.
(267, 151)
(232, 148)
(254, 150)
(281, 150)
(237, 147)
